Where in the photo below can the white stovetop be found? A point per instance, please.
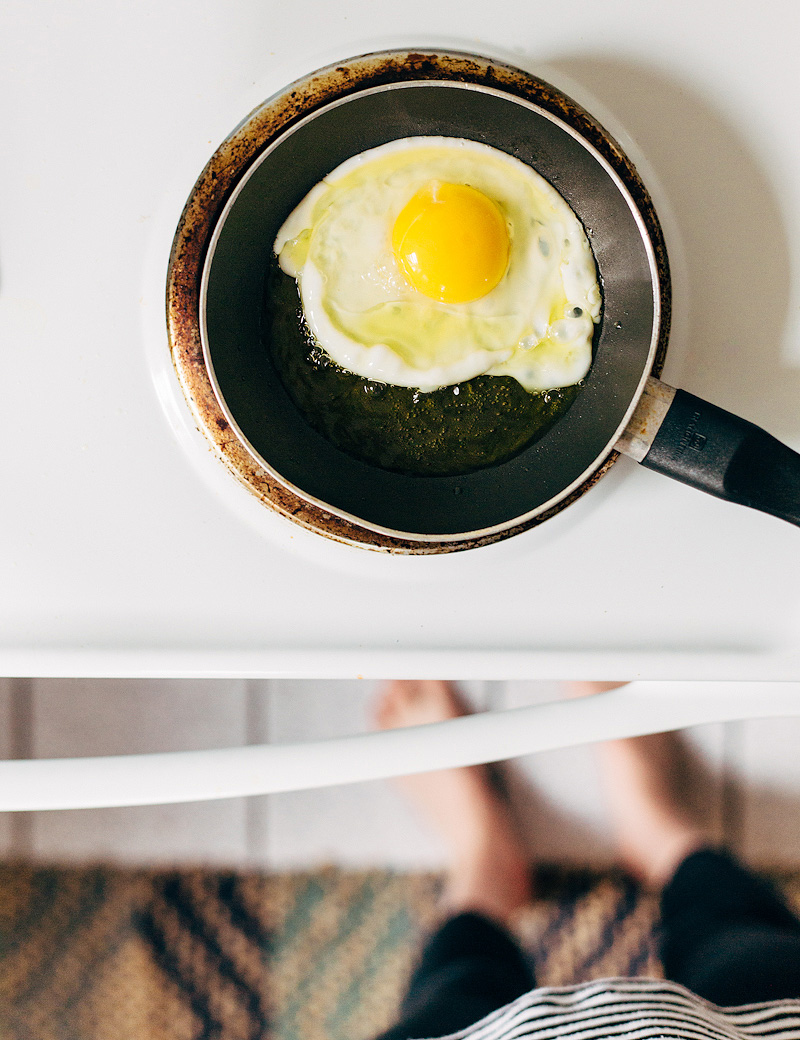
(124, 546)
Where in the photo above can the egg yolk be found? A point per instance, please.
(451, 242)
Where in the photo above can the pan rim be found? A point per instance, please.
(343, 514)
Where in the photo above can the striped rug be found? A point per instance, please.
(109, 954)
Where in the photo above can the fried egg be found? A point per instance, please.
(431, 260)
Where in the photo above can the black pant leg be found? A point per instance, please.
(727, 935)
(469, 968)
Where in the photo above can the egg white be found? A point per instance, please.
(535, 325)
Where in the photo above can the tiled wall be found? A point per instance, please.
(745, 778)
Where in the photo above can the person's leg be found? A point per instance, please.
(641, 782)
(471, 965)
(726, 934)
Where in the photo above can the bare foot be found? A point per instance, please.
(586, 689)
(642, 781)
(489, 872)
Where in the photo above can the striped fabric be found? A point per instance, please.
(633, 1009)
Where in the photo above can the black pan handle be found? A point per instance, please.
(686, 438)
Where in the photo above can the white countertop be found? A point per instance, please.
(125, 548)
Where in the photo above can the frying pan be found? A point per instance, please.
(216, 279)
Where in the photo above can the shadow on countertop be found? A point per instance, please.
(729, 219)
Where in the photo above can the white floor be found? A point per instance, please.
(745, 779)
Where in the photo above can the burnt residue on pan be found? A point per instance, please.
(217, 182)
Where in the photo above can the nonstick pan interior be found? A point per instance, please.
(252, 395)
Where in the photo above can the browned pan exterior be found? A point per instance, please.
(199, 230)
